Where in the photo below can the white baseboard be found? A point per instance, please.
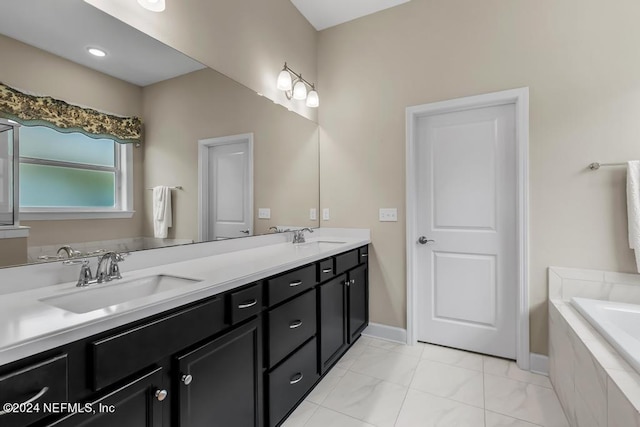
(539, 363)
(384, 332)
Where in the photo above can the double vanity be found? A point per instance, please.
(231, 339)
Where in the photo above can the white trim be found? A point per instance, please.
(384, 332)
(61, 215)
(539, 364)
(203, 179)
(519, 97)
(14, 232)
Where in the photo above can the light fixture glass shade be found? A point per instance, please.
(313, 100)
(299, 90)
(153, 5)
(284, 80)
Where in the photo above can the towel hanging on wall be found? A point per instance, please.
(633, 207)
(162, 216)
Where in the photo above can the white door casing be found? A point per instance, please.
(469, 166)
(225, 208)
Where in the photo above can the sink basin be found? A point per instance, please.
(320, 245)
(104, 295)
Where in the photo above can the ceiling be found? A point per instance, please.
(323, 14)
(68, 27)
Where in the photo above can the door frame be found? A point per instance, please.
(520, 98)
(203, 177)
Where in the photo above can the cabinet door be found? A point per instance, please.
(225, 387)
(358, 302)
(136, 404)
(333, 321)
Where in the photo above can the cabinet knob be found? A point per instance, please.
(161, 395)
(347, 282)
(353, 281)
(186, 379)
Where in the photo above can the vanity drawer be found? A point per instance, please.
(245, 303)
(364, 254)
(326, 270)
(290, 284)
(347, 261)
(291, 380)
(290, 325)
(44, 382)
(115, 357)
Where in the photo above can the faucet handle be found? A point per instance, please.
(85, 271)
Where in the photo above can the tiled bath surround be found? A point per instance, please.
(596, 387)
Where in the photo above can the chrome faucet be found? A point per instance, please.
(107, 270)
(71, 253)
(298, 235)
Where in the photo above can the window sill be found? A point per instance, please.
(14, 232)
(54, 216)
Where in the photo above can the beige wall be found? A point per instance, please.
(247, 40)
(206, 104)
(38, 72)
(13, 251)
(578, 59)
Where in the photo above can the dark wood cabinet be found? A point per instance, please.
(220, 383)
(332, 298)
(243, 358)
(137, 403)
(358, 299)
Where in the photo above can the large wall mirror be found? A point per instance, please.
(236, 164)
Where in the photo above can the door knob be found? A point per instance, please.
(423, 240)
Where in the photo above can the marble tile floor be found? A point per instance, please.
(384, 384)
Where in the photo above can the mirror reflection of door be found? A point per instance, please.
(227, 187)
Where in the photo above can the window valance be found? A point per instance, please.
(30, 110)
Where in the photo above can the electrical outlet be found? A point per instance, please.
(388, 215)
(264, 213)
(313, 214)
(325, 214)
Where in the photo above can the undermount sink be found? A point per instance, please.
(104, 295)
(320, 244)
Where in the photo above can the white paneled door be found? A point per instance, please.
(226, 187)
(467, 255)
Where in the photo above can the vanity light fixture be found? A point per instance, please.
(97, 52)
(297, 88)
(153, 5)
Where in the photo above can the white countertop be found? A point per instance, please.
(29, 326)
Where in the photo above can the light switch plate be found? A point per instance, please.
(313, 214)
(325, 214)
(264, 213)
(388, 215)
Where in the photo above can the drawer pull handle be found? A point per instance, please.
(296, 378)
(186, 379)
(364, 255)
(32, 399)
(294, 284)
(327, 270)
(248, 304)
(161, 395)
(295, 324)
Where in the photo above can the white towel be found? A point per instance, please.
(633, 207)
(162, 218)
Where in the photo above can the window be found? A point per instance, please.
(70, 175)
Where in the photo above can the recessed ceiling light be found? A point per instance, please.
(97, 52)
(153, 5)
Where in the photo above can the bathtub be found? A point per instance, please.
(618, 322)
